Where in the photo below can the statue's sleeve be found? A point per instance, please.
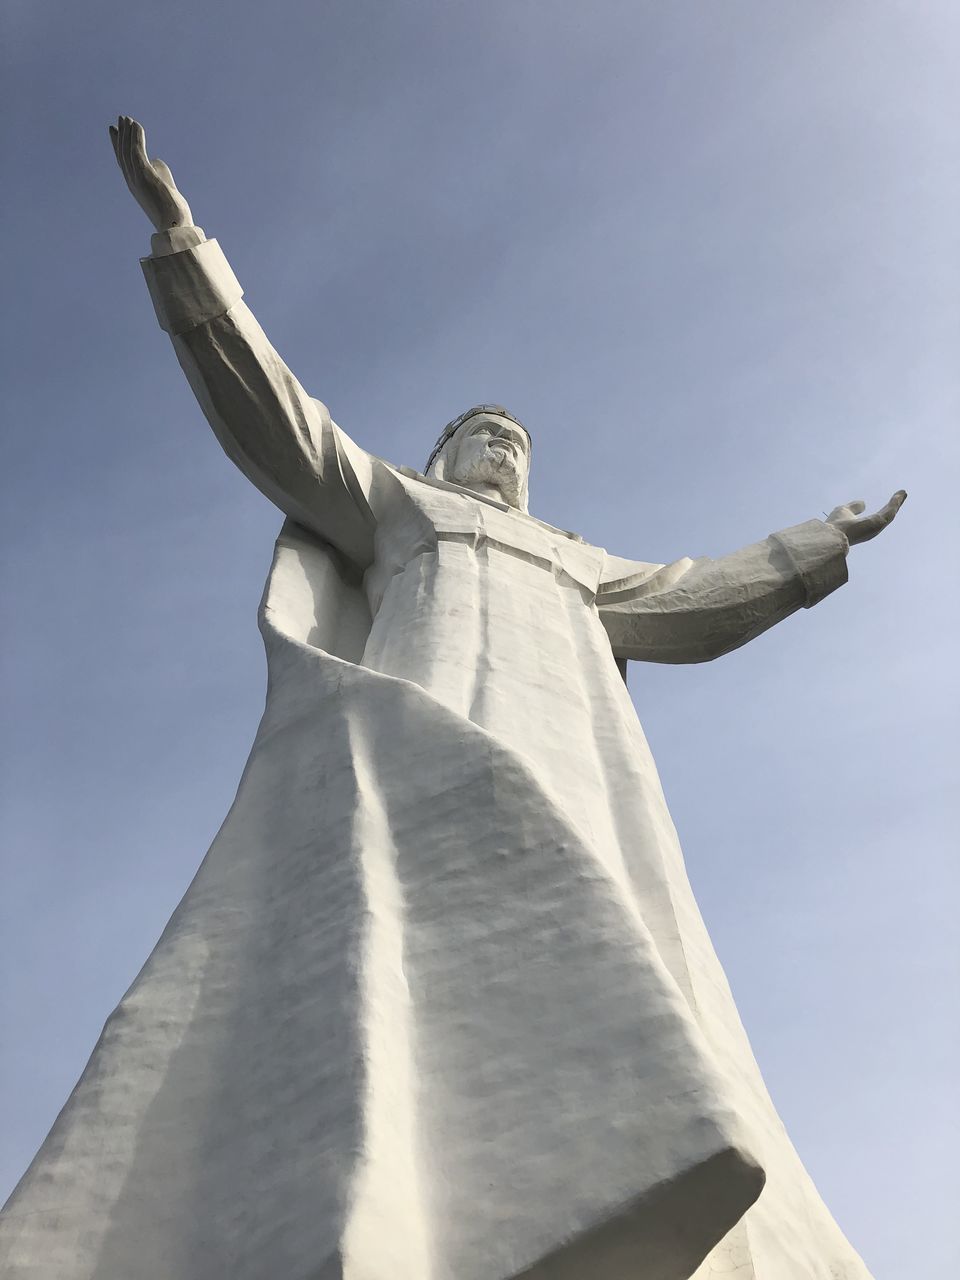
(696, 610)
(283, 440)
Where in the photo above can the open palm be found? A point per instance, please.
(150, 181)
(849, 518)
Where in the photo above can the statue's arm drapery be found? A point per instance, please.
(696, 610)
(281, 439)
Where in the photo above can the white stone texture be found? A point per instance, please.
(439, 1004)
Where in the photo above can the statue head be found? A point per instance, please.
(486, 449)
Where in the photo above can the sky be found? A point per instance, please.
(706, 250)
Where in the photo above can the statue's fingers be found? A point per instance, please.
(893, 506)
(118, 144)
(115, 141)
(138, 145)
(125, 143)
(125, 160)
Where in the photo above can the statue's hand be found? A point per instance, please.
(860, 528)
(150, 181)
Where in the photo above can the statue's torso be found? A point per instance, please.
(489, 610)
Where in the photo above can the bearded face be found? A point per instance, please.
(491, 450)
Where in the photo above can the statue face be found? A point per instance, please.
(494, 451)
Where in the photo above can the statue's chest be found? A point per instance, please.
(489, 610)
(445, 521)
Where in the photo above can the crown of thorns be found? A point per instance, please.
(452, 427)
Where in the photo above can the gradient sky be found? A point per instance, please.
(707, 252)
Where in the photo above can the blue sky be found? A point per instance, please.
(707, 252)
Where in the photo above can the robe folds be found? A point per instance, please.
(439, 1003)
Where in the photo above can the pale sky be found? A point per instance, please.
(707, 251)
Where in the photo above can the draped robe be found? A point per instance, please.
(439, 1003)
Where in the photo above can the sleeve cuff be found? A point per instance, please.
(174, 239)
(818, 552)
(191, 287)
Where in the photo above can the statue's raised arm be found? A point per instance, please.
(281, 438)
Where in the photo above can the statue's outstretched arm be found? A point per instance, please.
(696, 610)
(281, 438)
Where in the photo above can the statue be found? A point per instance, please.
(439, 1003)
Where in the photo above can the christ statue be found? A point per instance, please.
(439, 1003)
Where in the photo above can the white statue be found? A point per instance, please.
(439, 1004)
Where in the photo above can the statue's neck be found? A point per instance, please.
(486, 491)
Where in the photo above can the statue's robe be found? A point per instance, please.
(439, 1003)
